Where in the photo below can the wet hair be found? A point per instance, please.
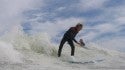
(79, 24)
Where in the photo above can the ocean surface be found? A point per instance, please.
(36, 52)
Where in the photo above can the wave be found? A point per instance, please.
(37, 49)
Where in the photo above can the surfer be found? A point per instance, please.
(69, 37)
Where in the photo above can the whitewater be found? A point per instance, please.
(22, 51)
(37, 52)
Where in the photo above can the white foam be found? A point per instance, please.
(38, 52)
(7, 53)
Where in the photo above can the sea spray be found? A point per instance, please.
(8, 53)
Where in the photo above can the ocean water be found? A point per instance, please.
(19, 51)
(36, 52)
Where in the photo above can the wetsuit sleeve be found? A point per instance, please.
(70, 34)
(75, 40)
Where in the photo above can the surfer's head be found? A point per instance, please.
(79, 26)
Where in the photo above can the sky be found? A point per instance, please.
(103, 20)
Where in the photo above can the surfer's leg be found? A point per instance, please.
(61, 46)
(72, 47)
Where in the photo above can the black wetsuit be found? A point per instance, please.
(69, 37)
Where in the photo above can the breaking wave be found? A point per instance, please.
(22, 50)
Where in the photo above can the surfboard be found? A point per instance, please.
(86, 62)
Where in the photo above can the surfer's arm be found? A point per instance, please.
(75, 40)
